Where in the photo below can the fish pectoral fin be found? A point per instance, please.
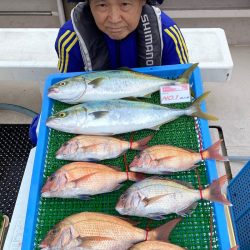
(148, 201)
(84, 197)
(157, 216)
(188, 210)
(96, 238)
(90, 242)
(99, 114)
(97, 82)
(83, 178)
(156, 127)
(167, 158)
(117, 187)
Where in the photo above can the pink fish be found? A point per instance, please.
(97, 231)
(165, 159)
(97, 148)
(83, 179)
(156, 197)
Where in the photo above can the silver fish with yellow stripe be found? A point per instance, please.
(111, 84)
(119, 116)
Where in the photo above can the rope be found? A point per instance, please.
(199, 180)
(125, 156)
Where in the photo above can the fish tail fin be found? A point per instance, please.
(132, 176)
(213, 152)
(141, 144)
(162, 233)
(196, 110)
(184, 78)
(213, 192)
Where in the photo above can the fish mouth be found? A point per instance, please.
(44, 246)
(51, 122)
(53, 91)
(45, 189)
(45, 194)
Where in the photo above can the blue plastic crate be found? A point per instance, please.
(239, 195)
(37, 176)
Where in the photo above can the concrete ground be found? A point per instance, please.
(228, 101)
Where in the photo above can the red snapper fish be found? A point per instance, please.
(97, 148)
(165, 159)
(84, 179)
(156, 197)
(97, 231)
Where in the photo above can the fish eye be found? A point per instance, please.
(52, 177)
(62, 83)
(55, 230)
(65, 144)
(62, 114)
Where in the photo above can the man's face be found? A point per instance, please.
(117, 18)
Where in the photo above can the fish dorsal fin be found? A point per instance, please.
(97, 82)
(126, 69)
(99, 114)
(132, 222)
(115, 168)
(189, 150)
(188, 210)
(155, 177)
(148, 96)
(186, 184)
(132, 98)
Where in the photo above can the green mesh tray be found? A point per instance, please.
(194, 232)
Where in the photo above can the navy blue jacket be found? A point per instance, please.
(122, 53)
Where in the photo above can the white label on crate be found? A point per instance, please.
(175, 93)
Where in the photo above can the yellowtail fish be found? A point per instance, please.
(97, 148)
(156, 197)
(155, 245)
(84, 179)
(97, 231)
(119, 116)
(165, 159)
(111, 84)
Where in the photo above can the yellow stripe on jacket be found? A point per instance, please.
(67, 54)
(63, 51)
(176, 44)
(59, 46)
(180, 43)
(183, 41)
